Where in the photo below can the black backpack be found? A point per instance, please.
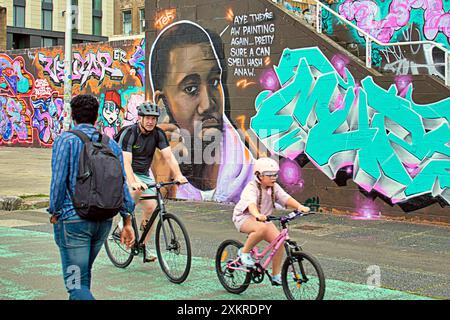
(99, 186)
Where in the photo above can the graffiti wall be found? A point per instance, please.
(238, 80)
(32, 81)
(395, 21)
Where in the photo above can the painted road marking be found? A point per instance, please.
(30, 269)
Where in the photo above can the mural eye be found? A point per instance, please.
(191, 90)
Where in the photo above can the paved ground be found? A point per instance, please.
(413, 258)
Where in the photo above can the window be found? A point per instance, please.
(19, 16)
(97, 5)
(47, 19)
(48, 42)
(97, 17)
(97, 26)
(127, 22)
(75, 16)
(47, 14)
(142, 20)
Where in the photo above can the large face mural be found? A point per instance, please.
(187, 82)
(346, 140)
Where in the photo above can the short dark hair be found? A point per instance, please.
(84, 109)
(177, 36)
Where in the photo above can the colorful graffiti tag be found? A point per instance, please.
(15, 87)
(93, 65)
(48, 117)
(396, 147)
(31, 89)
(395, 21)
(431, 16)
(14, 122)
(137, 62)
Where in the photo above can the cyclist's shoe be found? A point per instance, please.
(246, 259)
(147, 256)
(143, 225)
(276, 280)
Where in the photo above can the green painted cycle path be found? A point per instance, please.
(30, 269)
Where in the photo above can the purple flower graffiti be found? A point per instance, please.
(366, 12)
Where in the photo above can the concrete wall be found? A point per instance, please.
(348, 138)
(339, 129)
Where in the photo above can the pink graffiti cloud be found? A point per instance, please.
(269, 80)
(366, 12)
(291, 176)
(340, 63)
(402, 83)
(366, 209)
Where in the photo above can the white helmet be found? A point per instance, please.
(265, 164)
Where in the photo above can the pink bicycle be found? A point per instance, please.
(301, 274)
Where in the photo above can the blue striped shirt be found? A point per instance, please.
(65, 156)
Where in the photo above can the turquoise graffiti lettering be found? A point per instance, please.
(397, 147)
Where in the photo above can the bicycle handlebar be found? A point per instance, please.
(160, 185)
(163, 184)
(293, 215)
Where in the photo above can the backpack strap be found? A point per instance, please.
(83, 137)
(105, 139)
(80, 134)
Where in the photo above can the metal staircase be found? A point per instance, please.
(311, 11)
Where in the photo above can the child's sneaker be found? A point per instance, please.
(246, 259)
(276, 280)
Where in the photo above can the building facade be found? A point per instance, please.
(41, 23)
(2, 28)
(129, 17)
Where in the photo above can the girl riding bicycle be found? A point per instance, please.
(257, 202)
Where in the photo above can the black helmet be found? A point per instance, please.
(148, 109)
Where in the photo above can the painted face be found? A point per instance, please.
(110, 112)
(193, 88)
(148, 122)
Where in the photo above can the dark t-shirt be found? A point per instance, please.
(141, 146)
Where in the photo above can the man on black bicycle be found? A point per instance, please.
(139, 143)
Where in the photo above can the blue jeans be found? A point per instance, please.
(79, 243)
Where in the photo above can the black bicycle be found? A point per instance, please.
(173, 247)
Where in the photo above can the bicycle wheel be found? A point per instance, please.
(302, 277)
(234, 281)
(118, 253)
(174, 256)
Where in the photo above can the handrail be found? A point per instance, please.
(370, 39)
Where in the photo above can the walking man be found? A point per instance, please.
(80, 239)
